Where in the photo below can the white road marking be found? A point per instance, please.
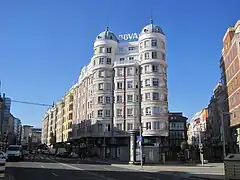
(80, 169)
(54, 174)
(42, 166)
(108, 169)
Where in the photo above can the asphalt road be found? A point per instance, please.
(49, 168)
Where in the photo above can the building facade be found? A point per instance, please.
(18, 130)
(177, 129)
(230, 75)
(197, 128)
(124, 86)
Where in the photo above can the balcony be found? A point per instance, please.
(126, 62)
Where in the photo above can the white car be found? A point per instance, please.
(14, 152)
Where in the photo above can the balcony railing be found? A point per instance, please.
(134, 61)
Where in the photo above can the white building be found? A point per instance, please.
(106, 97)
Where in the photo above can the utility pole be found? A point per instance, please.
(201, 148)
(223, 134)
(140, 113)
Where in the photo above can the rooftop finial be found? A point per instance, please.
(107, 27)
(151, 20)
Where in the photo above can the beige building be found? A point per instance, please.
(68, 115)
(58, 120)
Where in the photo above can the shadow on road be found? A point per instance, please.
(20, 173)
(52, 159)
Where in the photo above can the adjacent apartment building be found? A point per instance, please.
(197, 128)
(230, 75)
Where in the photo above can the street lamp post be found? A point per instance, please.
(223, 131)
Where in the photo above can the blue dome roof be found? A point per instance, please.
(152, 28)
(107, 35)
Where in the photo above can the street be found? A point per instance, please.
(43, 168)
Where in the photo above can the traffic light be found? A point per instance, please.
(201, 150)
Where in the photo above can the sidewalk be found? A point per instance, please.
(206, 171)
(213, 172)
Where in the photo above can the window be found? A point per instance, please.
(109, 50)
(165, 97)
(108, 60)
(156, 125)
(101, 60)
(163, 56)
(108, 86)
(141, 56)
(148, 125)
(107, 113)
(70, 116)
(155, 111)
(120, 49)
(108, 100)
(155, 81)
(148, 111)
(147, 68)
(100, 99)
(119, 126)
(129, 112)
(129, 84)
(163, 45)
(101, 50)
(119, 112)
(141, 45)
(131, 48)
(119, 99)
(155, 96)
(147, 96)
(154, 55)
(108, 73)
(121, 59)
(131, 58)
(146, 44)
(101, 73)
(147, 82)
(119, 85)
(154, 68)
(146, 55)
(130, 71)
(129, 126)
(100, 113)
(119, 72)
(100, 86)
(154, 43)
(228, 60)
(129, 98)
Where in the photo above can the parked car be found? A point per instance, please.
(14, 152)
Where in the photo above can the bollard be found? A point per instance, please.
(2, 167)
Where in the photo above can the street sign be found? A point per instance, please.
(139, 141)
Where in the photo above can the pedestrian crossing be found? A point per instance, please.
(40, 157)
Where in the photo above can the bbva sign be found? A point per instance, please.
(129, 37)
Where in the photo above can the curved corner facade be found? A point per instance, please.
(108, 89)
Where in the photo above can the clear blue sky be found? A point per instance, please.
(44, 44)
